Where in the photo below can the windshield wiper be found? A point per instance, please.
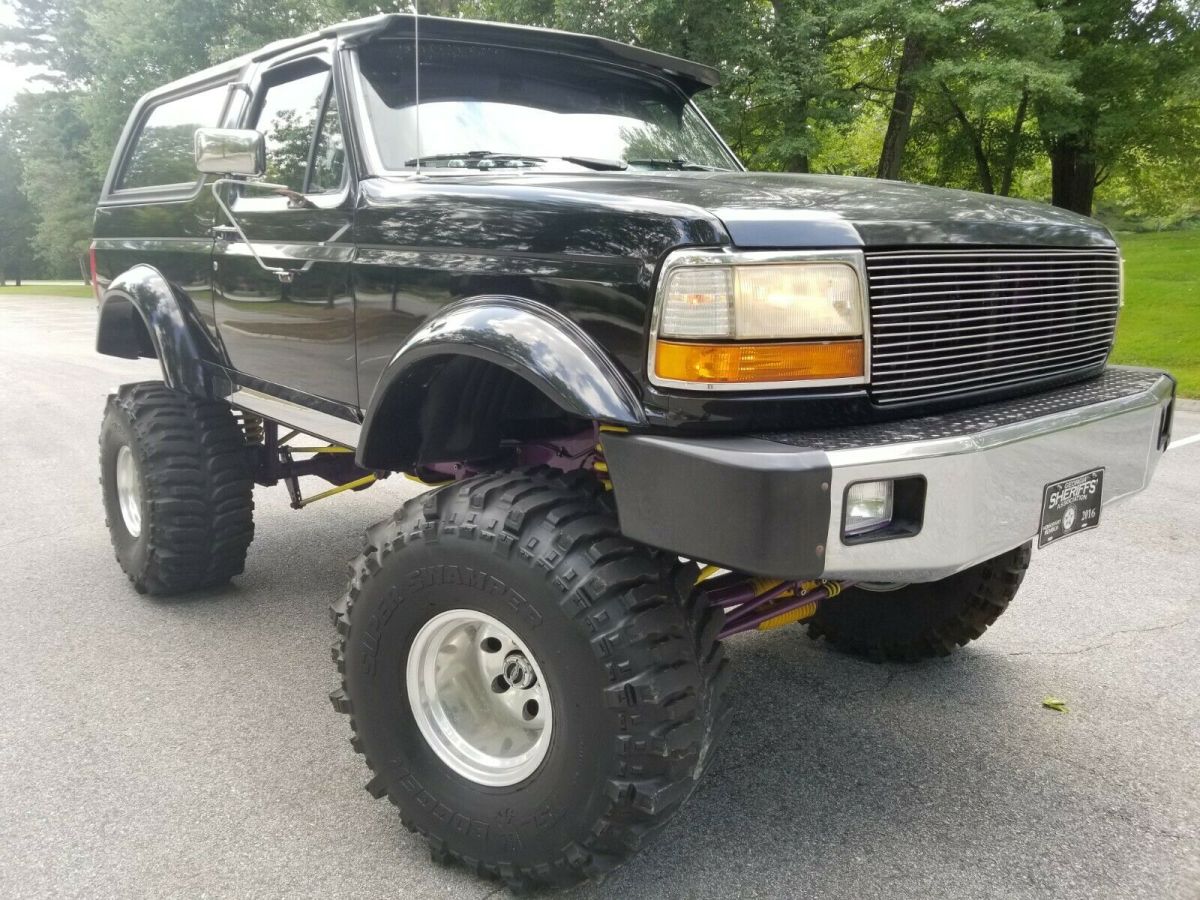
(678, 165)
(473, 158)
(478, 159)
(600, 165)
(486, 159)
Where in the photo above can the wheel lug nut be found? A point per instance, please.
(518, 671)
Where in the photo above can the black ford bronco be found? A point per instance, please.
(667, 400)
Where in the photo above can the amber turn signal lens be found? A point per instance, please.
(754, 363)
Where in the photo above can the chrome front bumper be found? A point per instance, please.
(772, 504)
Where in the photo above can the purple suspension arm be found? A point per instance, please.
(748, 602)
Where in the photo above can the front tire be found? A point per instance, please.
(177, 488)
(629, 677)
(920, 621)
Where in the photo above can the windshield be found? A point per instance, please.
(488, 107)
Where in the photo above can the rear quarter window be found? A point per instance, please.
(162, 152)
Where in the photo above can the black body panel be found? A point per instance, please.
(772, 210)
(745, 504)
(300, 334)
(142, 314)
(426, 243)
(525, 338)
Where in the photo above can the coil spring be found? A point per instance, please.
(599, 464)
(600, 467)
(254, 428)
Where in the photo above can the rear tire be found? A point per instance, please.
(632, 671)
(919, 621)
(177, 487)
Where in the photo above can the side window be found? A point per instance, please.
(162, 152)
(329, 159)
(288, 119)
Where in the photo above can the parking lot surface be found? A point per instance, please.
(186, 747)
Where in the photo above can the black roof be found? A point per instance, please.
(689, 76)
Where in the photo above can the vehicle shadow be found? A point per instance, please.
(839, 776)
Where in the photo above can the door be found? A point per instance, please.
(292, 334)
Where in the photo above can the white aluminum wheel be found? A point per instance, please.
(479, 697)
(129, 491)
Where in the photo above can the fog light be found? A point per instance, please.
(868, 507)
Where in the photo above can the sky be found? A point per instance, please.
(13, 79)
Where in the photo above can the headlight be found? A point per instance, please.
(806, 300)
(752, 322)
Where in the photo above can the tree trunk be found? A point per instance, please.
(900, 118)
(982, 167)
(1014, 144)
(797, 162)
(1072, 174)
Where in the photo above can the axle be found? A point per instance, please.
(764, 603)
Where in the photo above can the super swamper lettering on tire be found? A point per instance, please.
(530, 563)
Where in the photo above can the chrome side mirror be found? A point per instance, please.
(230, 151)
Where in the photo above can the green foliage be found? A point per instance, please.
(1039, 98)
(1135, 68)
(17, 222)
(58, 179)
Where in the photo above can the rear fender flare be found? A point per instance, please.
(141, 301)
(526, 338)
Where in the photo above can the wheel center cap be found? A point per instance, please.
(518, 672)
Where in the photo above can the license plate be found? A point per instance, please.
(1071, 506)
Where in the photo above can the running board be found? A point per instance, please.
(293, 415)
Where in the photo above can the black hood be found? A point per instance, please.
(777, 210)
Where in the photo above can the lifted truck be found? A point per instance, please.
(667, 400)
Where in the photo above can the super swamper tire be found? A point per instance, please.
(177, 487)
(633, 673)
(919, 621)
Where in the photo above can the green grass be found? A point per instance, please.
(53, 290)
(1160, 324)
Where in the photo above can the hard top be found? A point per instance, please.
(689, 76)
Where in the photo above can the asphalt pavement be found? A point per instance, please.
(186, 747)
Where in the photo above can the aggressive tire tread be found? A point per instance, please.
(665, 667)
(197, 488)
(941, 616)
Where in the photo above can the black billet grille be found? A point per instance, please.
(947, 323)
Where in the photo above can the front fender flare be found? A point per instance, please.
(177, 335)
(529, 339)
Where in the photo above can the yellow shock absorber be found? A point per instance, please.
(762, 585)
(799, 614)
(834, 587)
(806, 611)
(600, 466)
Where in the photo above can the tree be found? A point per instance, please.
(973, 70)
(1134, 64)
(17, 222)
(58, 180)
